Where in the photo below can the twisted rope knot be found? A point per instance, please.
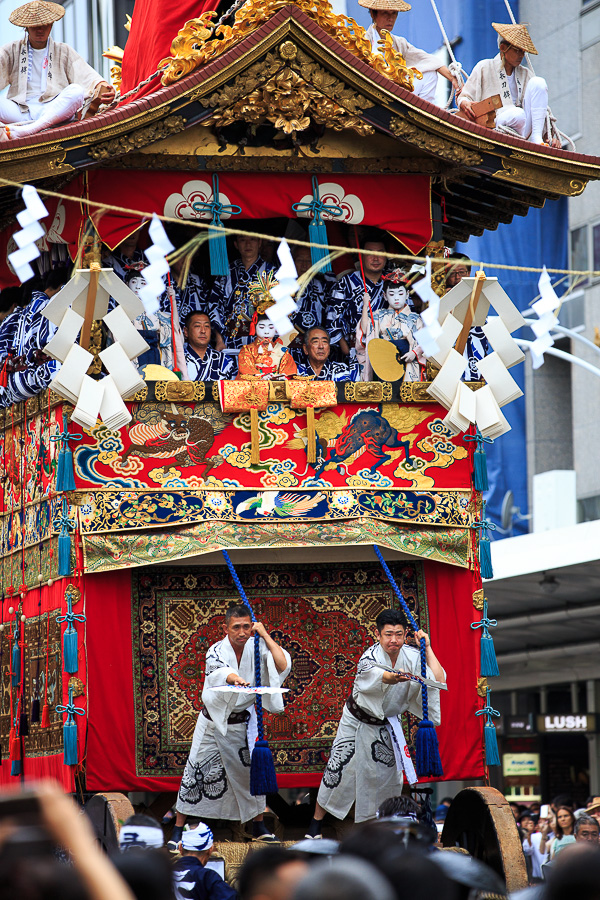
(65, 436)
(478, 438)
(214, 207)
(317, 206)
(485, 623)
(70, 708)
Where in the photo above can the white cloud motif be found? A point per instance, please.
(180, 206)
(58, 223)
(353, 211)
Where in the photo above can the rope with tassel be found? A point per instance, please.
(317, 230)
(489, 663)
(428, 763)
(263, 779)
(492, 757)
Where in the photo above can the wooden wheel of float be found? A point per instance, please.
(107, 813)
(481, 821)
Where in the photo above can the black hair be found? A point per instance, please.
(390, 617)
(147, 874)
(261, 867)
(142, 819)
(56, 278)
(237, 611)
(585, 820)
(563, 800)
(130, 274)
(11, 296)
(196, 312)
(399, 806)
(578, 875)
(310, 331)
(373, 236)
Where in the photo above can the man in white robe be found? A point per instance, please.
(49, 83)
(216, 778)
(369, 757)
(524, 95)
(384, 14)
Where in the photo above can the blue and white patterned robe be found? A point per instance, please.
(331, 371)
(215, 366)
(346, 303)
(229, 298)
(32, 334)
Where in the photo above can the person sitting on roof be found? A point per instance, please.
(384, 14)
(203, 362)
(317, 364)
(48, 81)
(524, 95)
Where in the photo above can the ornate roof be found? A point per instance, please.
(289, 96)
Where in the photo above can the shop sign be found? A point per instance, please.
(559, 724)
(519, 724)
(520, 764)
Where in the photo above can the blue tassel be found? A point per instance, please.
(70, 661)
(262, 770)
(317, 230)
(15, 767)
(64, 554)
(317, 234)
(485, 557)
(16, 665)
(217, 248)
(217, 240)
(427, 752)
(492, 757)
(480, 472)
(70, 742)
(65, 475)
(489, 663)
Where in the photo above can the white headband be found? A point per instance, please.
(198, 839)
(141, 836)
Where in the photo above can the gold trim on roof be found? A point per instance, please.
(196, 44)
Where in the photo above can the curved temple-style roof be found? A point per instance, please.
(484, 177)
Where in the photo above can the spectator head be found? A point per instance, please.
(575, 873)
(516, 810)
(316, 345)
(592, 800)
(402, 806)
(344, 879)
(565, 821)
(594, 809)
(587, 829)
(457, 268)
(128, 247)
(55, 280)
(527, 823)
(271, 873)
(10, 298)
(134, 280)
(302, 258)
(197, 331)
(197, 842)
(248, 247)
(140, 833)
(374, 265)
(562, 800)
(148, 874)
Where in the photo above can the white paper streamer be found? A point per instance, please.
(153, 274)
(31, 231)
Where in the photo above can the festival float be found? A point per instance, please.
(113, 578)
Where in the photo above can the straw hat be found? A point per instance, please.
(393, 5)
(517, 35)
(39, 12)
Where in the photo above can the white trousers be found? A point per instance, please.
(427, 86)
(58, 111)
(530, 121)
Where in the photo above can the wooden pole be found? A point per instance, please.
(90, 304)
(475, 295)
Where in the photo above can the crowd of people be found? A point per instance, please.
(215, 328)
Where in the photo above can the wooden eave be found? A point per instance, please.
(484, 178)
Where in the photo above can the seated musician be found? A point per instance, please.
(48, 82)
(204, 363)
(384, 14)
(312, 301)
(317, 365)
(524, 95)
(478, 347)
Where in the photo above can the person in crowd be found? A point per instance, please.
(442, 810)
(10, 299)
(48, 82)
(477, 344)
(312, 301)
(362, 768)
(194, 296)
(563, 830)
(229, 305)
(384, 14)
(266, 357)
(347, 296)
(593, 807)
(216, 778)
(344, 879)
(125, 257)
(192, 880)
(531, 845)
(587, 829)
(316, 362)
(140, 832)
(394, 322)
(402, 806)
(203, 362)
(161, 329)
(576, 874)
(516, 811)
(271, 873)
(524, 95)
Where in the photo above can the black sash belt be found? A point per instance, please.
(236, 718)
(359, 713)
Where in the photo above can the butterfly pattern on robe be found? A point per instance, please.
(214, 661)
(207, 779)
(244, 755)
(341, 754)
(367, 660)
(382, 750)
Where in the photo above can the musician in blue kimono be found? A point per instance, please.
(477, 344)
(204, 363)
(347, 296)
(312, 301)
(160, 330)
(229, 303)
(30, 371)
(194, 296)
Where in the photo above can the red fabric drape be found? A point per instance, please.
(111, 738)
(154, 26)
(50, 766)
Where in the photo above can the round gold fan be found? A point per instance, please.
(383, 356)
(153, 372)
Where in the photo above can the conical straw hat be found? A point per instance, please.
(517, 35)
(39, 12)
(393, 5)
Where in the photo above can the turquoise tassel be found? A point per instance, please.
(217, 240)
(15, 767)
(64, 554)
(217, 248)
(70, 654)
(489, 663)
(485, 558)
(492, 757)
(317, 234)
(70, 755)
(263, 779)
(317, 230)
(480, 472)
(65, 474)
(16, 664)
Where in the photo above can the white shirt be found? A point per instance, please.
(39, 67)
(512, 84)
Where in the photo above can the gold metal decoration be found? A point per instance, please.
(482, 686)
(435, 249)
(192, 391)
(402, 128)
(363, 391)
(290, 99)
(197, 44)
(77, 685)
(136, 139)
(478, 599)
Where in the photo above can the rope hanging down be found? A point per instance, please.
(428, 762)
(262, 768)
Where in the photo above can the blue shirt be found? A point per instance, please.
(215, 366)
(192, 881)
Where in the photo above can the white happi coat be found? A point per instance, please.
(216, 778)
(65, 67)
(413, 56)
(489, 78)
(366, 764)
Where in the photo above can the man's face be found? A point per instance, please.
(302, 260)
(38, 35)
(238, 630)
(513, 55)
(384, 19)
(527, 824)
(248, 246)
(588, 833)
(128, 247)
(374, 265)
(456, 275)
(197, 332)
(317, 346)
(396, 296)
(391, 638)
